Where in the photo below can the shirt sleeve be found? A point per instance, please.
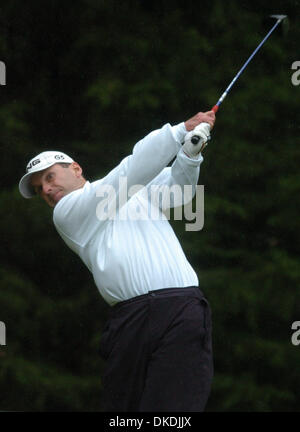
(149, 156)
(175, 185)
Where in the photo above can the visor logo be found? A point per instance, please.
(59, 157)
(32, 164)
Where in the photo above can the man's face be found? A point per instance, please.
(57, 181)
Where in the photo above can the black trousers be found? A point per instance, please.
(158, 353)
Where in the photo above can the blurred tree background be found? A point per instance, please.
(90, 78)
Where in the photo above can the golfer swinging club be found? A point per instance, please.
(157, 341)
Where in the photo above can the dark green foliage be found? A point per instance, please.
(91, 78)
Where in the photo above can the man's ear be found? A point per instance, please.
(76, 169)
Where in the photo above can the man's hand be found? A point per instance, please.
(198, 133)
(196, 140)
(206, 117)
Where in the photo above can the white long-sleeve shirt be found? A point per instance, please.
(128, 251)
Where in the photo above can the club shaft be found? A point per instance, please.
(216, 107)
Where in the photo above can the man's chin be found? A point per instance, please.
(52, 201)
(58, 196)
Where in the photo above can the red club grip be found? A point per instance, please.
(215, 108)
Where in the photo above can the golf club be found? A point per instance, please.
(279, 18)
(196, 138)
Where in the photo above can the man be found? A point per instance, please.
(157, 341)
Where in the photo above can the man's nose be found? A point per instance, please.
(47, 188)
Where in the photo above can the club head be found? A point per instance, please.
(279, 17)
(282, 21)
